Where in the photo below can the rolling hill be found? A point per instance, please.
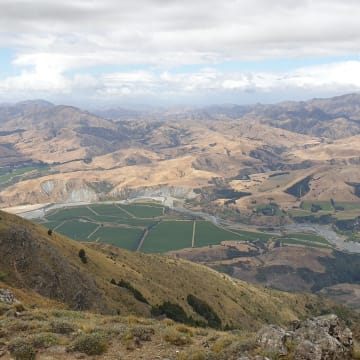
(231, 160)
(50, 266)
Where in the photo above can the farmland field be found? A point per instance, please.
(169, 235)
(16, 172)
(148, 228)
(121, 237)
(77, 230)
(323, 205)
(144, 211)
(109, 210)
(296, 241)
(308, 237)
(71, 213)
(209, 234)
(348, 205)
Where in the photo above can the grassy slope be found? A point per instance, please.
(50, 265)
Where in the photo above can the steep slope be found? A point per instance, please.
(50, 265)
(54, 153)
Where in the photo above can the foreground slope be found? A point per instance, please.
(50, 265)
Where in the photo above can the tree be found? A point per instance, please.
(82, 256)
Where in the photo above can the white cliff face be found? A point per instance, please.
(80, 190)
(155, 191)
(48, 186)
(84, 194)
(71, 191)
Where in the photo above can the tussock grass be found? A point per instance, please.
(175, 337)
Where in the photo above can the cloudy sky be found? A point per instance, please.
(164, 52)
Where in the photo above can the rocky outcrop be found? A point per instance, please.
(321, 338)
(154, 191)
(6, 296)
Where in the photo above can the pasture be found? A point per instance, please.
(148, 228)
(169, 236)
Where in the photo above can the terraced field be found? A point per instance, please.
(148, 228)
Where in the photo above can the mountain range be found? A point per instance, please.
(75, 155)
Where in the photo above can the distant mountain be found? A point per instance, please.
(332, 118)
(181, 150)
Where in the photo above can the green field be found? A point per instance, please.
(253, 236)
(71, 213)
(144, 210)
(125, 225)
(169, 235)
(77, 230)
(121, 237)
(209, 234)
(297, 241)
(324, 205)
(16, 172)
(341, 210)
(348, 206)
(11, 176)
(308, 237)
(109, 210)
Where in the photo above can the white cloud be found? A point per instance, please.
(57, 44)
(153, 31)
(45, 78)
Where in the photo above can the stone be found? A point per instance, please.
(306, 350)
(320, 338)
(6, 296)
(328, 334)
(273, 339)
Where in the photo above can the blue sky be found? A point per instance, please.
(108, 52)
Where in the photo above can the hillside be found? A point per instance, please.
(265, 165)
(52, 153)
(43, 279)
(50, 265)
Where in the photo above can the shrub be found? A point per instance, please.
(143, 332)
(172, 311)
(175, 337)
(192, 354)
(61, 327)
(44, 340)
(91, 344)
(2, 276)
(82, 256)
(222, 343)
(137, 294)
(50, 232)
(184, 329)
(205, 310)
(22, 349)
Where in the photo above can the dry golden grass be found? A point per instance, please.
(158, 278)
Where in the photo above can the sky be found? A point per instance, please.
(101, 53)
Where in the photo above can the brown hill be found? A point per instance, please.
(50, 265)
(76, 156)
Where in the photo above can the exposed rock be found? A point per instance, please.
(321, 338)
(273, 339)
(328, 333)
(6, 296)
